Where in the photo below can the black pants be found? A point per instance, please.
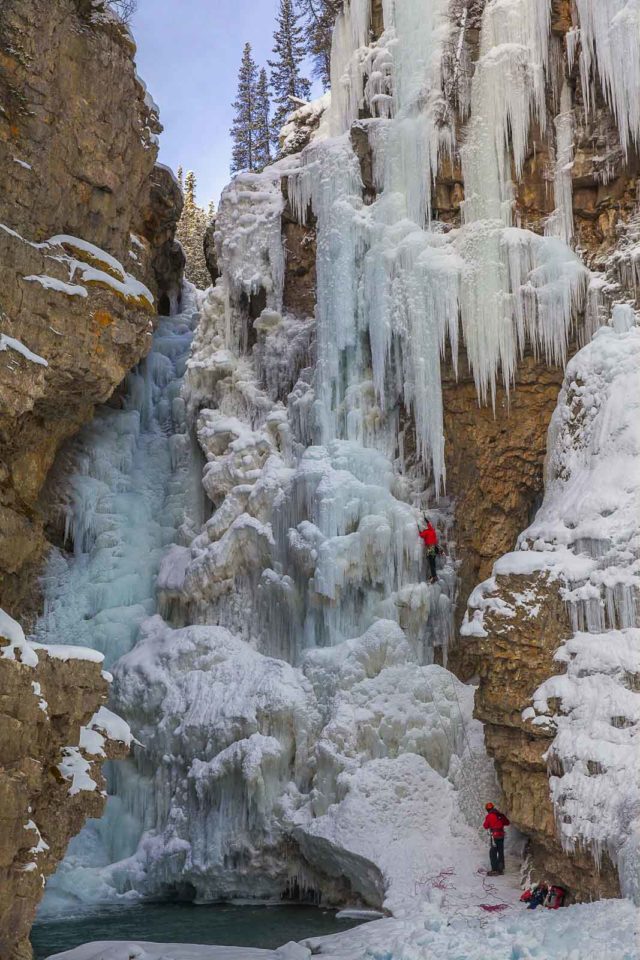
(496, 854)
(431, 557)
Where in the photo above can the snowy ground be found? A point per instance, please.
(445, 919)
(607, 930)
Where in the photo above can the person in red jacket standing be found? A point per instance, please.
(430, 539)
(495, 822)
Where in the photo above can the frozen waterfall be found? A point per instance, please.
(275, 653)
(134, 489)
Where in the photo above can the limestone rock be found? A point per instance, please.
(515, 657)
(77, 158)
(44, 710)
(161, 214)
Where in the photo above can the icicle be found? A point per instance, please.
(561, 221)
(351, 34)
(609, 31)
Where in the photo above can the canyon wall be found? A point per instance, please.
(87, 258)
(55, 736)
(86, 248)
(496, 474)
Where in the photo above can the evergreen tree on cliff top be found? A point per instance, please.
(245, 121)
(286, 76)
(190, 233)
(319, 20)
(263, 125)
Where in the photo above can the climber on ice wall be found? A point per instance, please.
(430, 539)
(495, 822)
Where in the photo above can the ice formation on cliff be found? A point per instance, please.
(284, 681)
(133, 490)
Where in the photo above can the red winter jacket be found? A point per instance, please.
(496, 822)
(429, 536)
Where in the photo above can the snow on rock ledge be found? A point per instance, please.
(55, 735)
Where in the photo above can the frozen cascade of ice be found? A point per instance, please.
(391, 283)
(609, 32)
(287, 680)
(133, 491)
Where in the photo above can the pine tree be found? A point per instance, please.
(286, 78)
(263, 126)
(243, 131)
(190, 194)
(180, 178)
(125, 9)
(190, 233)
(319, 19)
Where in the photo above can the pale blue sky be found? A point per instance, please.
(188, 55)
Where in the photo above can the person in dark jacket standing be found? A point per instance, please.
(430, 539)
(495, 822)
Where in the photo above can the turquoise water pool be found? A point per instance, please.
(223, 924)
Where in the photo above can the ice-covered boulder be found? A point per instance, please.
(226, 730)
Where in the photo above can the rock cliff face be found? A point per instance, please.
(55, 735)
(554, 637)
(77, 155)
(514, 659)
(87, 255)
(496, 476)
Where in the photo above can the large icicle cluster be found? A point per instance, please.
(608, 31)
(586, 539)
(392, 288)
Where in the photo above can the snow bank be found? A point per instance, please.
(64, 651)
(59, 286)
(26, 651)
(109, 271)
(400, 769)
(606, 930)
(141, 950)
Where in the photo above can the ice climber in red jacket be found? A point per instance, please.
(495, 822)
(430, 539)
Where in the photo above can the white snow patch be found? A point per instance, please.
(18, 648)
(59, 286)
(10, 343)
(77, 769)
(63, 651)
